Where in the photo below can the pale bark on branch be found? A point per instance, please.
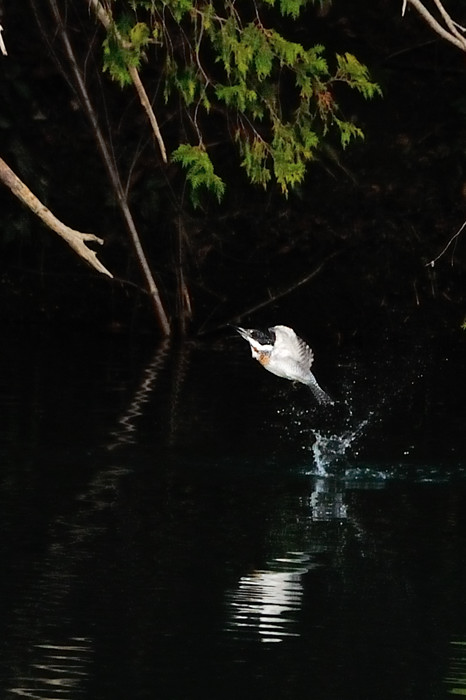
(2, 43)
(104, 17)
(112, 172)
(452, 240)
(75, 239)
(450, 32)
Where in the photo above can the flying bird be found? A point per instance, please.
(282, 352)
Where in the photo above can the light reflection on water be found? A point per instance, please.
(158, 558)
(267, 601)
(57, 670)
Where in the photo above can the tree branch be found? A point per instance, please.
(2, 43)
(113, 174)
(105, 18)
(450, 34)
(75, 239)
(431, 263)
(451, 25)
(277, 295)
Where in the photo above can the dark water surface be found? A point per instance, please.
(177, 523)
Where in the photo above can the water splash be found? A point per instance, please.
(330, 450)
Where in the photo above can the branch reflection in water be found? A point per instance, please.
(59, 664)
(126, 431)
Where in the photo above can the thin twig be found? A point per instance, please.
(463, 29)
(453, 238)
(281, 293)
(106, 20)
(278, 295)
(455, 39)
(113, 173)
(448, 20)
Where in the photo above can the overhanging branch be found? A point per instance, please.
(2, 43)
(112, 172)
(450, 32)
(75, 239)
(104, 17)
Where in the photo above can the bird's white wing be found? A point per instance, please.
(289, 345)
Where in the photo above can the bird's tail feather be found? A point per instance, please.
(321, 396)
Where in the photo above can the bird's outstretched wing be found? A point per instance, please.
(289, 345)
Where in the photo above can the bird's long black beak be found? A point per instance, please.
(243, 332)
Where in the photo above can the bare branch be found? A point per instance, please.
(450, 34)
(75, 239)
(452, 26)
(453, 238)
(2, 43)
(144, 99)
(113, 174)
(101, 13)
(106, 20)
(463, 29)
(277, 295)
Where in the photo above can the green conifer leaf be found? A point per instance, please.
(277, 95)
(199, 171)
(139, 35)
(351, 71)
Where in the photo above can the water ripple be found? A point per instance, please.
(266, 602)
(57, 670)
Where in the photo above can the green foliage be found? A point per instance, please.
(348, 131)
(240, 97)
(356, 75)
(255, 154)
(178, 8)
(290, 7)
(187, 84)
(139, 36)
(199, 171)
(115, 60)
(278, 95)
(124, 47)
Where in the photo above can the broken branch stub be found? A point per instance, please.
(77, 240)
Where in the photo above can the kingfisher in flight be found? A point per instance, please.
(282, 352)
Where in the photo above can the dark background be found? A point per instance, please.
(367, 220)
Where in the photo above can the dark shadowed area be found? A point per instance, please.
(176, 522)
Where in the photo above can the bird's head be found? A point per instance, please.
(260, 342)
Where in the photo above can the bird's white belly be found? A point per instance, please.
(290, 370)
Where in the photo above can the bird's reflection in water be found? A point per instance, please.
(327, 501)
